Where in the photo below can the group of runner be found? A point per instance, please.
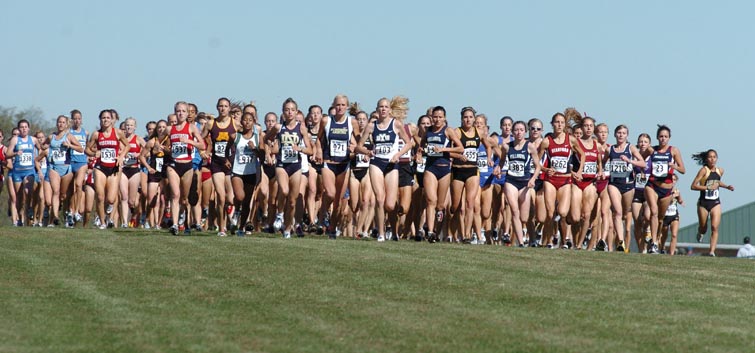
(346, 172)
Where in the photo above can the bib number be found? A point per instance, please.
(288, 155)
(159, 164)
(470, 154)
(337, 148)
(107, 155)
(25, 159)
(383, 150)
(619, 169)
(362, 161)
(591, 169)
(516, 169)
(482, 165)
(560, 164)
(179, 150)
(58, 156)
(640, 181)
(660, 169)
(432, 148)
(421, 165)
(220, 148)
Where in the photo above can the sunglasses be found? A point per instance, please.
(536, 129)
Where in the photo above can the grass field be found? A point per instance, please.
(100, 291)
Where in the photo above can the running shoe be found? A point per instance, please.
(482, 240)
(299, 231)
(77, 217)
(381, 238)
(568, 244)
(221, 233)
(198, 227)
(146, 225)
(278, 223)
(69, 221)
(239, 233)
(700, 237)
(506, 238)
(174, 229)
(187, 231)
(287, 235)
(620, 247)
(601, 246)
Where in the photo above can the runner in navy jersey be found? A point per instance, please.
(640, 211)
(361, 196)
(385, 132)
(664, 161)
(436, 146)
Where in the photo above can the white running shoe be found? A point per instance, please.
(278, 223)
(381, 238)
(287, 235)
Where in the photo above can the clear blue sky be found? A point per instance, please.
(687, 64)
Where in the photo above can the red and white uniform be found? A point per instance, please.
(134, 149)
(109, 148)
(180, 151)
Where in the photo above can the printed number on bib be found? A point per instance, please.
(470, 154)
(220, 147)
(516, 169)
(59, 156)
(25, 159)
(383, 150)
(244, 159)
(619, 169)
(640, 181)
(711, 194)
(288, 155)
(337, 148)
(432, 148)
(362, 161)
(591, 168)
(421, 166)
(660, 169)
(107, 155)
(179, 150)
(158, 164)
(131, 159)
(559, 163)
(482, 165)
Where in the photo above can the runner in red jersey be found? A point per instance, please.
(183, 137)
(109, 146)
(130, 178)
(584, 195)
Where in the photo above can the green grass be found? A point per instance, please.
(97, 291)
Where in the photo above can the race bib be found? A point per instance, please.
(362, 161)
(470, 154)
(338, 148)
(383, 150)
(660, 169)
(619, 169)
(671, 210)
(220, 147)
(516, 169)
(711, 194)
(432, 148)
(482, 165)
(244, 159)
(58, 156)
(179, 150)
(591, 169)
(107, 155)
(640, 181)
(25, 159)
(159, 164)
(421, 166)
(559, 163)
(131, 159)
(288, 155)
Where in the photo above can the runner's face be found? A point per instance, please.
(602, 134)
(130, 127)
(578, 134)
(621, 135)
(340, 105)
(62, 124)
(588, 128)
(223, 108)
(711, 159)
(439, 118)
(468, 119)
(23, 130)
(558, 124)
(270, 120)
(161, 128)
(289, 112)
(106, 120)
(518, 131)
(426, 122)
(247, 122)
(41, 138)
(362, 120)
(479, 123)
(150, 129)
(506, 127)
(182, 112)
(663, 138)
(643, 143)
(76, 121)
(316, 115)
(383, 108)
(536, 130)
(192, 113)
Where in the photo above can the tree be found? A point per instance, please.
(9, 117)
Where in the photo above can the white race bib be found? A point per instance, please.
(362, 161)
(432, 148)
(159, 164)
(640, 181)
(25, 159)
(383, 150)
(338, 148)
(58, 156)
(288, 155)
(591, 168)
(660, 169)
(107, 155)
(516, 169)
(470, 154)
(131, 159)
(559, 163)
(421, 166)
(482, 165)
(220, 147)
(179, 150)
(619, 169)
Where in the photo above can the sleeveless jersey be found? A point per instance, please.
(362, 161)
(221, 141)
(25, 152)
(470, 144)
(287, 139)
(519, 162)
(132, 158)
(337, 136)
(673, 208)
(641, 175)
(711, 181)
(81, 136)
(406, 157)
(157, 159)
(437, 140)
(591, 160)
(386, 141)
(621, 172)
(180, 152)
(58, 154)
(659, 162)
(245, 159)
(109, 148)
(559, 154)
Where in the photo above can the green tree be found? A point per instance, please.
(9, 117)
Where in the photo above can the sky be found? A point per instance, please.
(686, 64)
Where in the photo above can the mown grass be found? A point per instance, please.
(84, 290)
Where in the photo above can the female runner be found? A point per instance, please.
(153, 158)
(664, 161)
(62, 143)
(623, 157)
(640, 211)
(435, 145)
(245, 167)
(584, 194)
(708, 181)
(24, 149)
(184, 137)
(218, 135)
(108, 144)
(385, 132)
(130, 178)
(361, 198)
